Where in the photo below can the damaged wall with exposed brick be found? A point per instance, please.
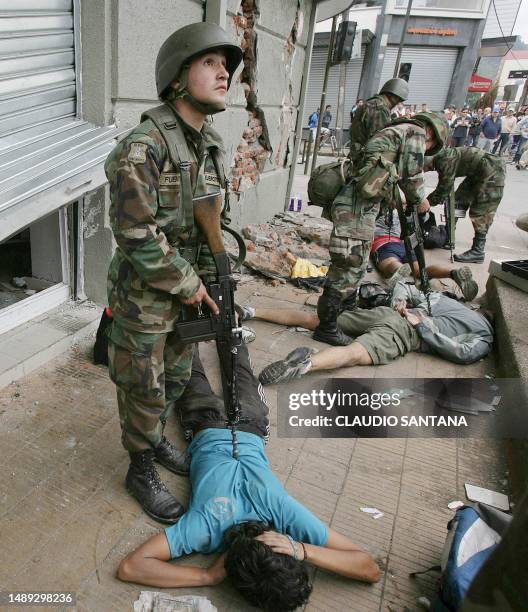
(260, 123)
(120, 41)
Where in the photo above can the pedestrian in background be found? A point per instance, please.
(474, 128)
(523, 139)
(490, 130)
(460, 128)
(327, 117)
(359, 103)
(398, 111)
(508, 125)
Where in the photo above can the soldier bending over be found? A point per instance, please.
(480, 192)
(392, 158)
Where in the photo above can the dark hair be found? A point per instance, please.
(268, 580)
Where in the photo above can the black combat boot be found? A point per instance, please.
(328, 309)
(170, 457)
(143, 483)
(476, 252)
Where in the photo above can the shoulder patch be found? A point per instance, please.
(137, 152)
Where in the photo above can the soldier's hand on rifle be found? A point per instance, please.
(202, 296)
(424, 206)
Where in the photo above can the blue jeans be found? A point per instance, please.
(520, 149)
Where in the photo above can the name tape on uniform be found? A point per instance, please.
(169, 179)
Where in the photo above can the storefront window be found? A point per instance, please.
(468, 5)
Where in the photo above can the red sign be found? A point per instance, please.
(480, 83)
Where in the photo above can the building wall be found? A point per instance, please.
(120, 41)
(466, 35)
(506, 12)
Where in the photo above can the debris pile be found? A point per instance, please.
(275, 248)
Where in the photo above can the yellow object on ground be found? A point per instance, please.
(306, 269)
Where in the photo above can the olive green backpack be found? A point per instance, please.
(326, 181)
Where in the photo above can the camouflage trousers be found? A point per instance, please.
(482, 196)
(150, 372)
(354, 220)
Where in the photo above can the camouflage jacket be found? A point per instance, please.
(373, 116)
(400, 149)
(148, 273)
(476, 164)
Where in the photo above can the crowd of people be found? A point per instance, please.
(499, 130)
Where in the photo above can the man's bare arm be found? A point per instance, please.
(340, 555)
(149, 565)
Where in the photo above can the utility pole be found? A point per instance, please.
(323, 95)
(341, 97)
(402, 39)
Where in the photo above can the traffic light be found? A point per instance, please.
(405, 71)
(344, 42)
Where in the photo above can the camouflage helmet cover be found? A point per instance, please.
(438, 124)
(396, 87)
(189, 42)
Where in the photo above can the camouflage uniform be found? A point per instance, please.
(480, 192)
(373, 116)
(149, 275)
(399, 149)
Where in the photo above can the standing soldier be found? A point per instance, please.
(375, 114)
(480, 192)
(172, 158)
(393, 158)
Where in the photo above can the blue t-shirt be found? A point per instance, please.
(227, 492)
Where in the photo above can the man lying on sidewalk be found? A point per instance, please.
(390, 258)
(384, 333)
(240, 508)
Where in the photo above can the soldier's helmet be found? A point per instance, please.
(396, 87)
(189, 42)
(439, 125)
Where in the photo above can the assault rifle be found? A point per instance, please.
(412, 238)
(449, 214)
(222, 327)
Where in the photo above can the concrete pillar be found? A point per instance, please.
(467, 56)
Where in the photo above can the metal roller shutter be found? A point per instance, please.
(315, 85)
(37, 63)
(49, 156)
(431, 73)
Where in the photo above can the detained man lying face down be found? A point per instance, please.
(240, 509)
(382, 334)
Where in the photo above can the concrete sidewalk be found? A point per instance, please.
(66, 519)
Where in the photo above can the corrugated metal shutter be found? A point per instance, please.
(431, 73)
(37, 62)
(49, 156)
(315, 85)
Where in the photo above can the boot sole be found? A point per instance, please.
(160, 519)
(271, 375)
(468, 260)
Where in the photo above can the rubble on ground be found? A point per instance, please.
(274, 248)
